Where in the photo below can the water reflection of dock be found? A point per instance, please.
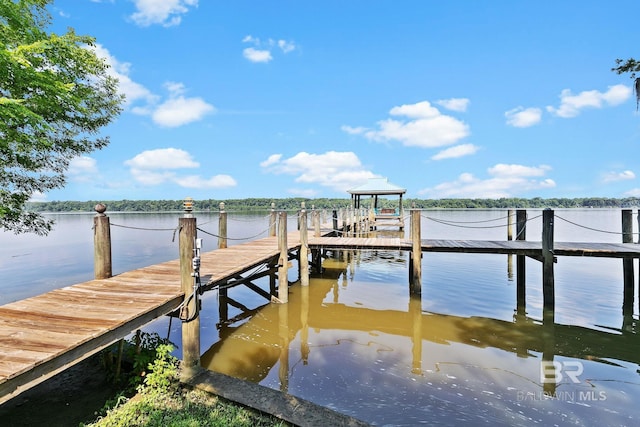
(251, 349)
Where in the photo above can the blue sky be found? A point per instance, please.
(274, 99)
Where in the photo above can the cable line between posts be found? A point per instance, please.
(230, 238)
(593, 229)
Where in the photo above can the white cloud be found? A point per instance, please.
(618, 176)
(195, 181)
(457, 151)
(82, 169)
(426, 127)
(174, 88)
(38, 197)
(286, 46)
(164, 12)
(634, 192)
(523, 117)
(179, 111)
(132, 91)
(571, 105)
(256, 55)
(505, 181)
(272, 160)
(262, 50)
(154, 167)
(353, 130)
(454, 104)
(503, 170)
(162, 158)
(151, 177)
(420, 110)
(336, 170)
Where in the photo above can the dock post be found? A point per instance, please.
(101, 243)
(510, 224)
(345, 222)
(334, 218)
(189, 313)
(627, 264)
(272, 220)
(316, 256)
(283, 261)
(222, 228)
(638, 242)
(304, 248)
(548, 281)
(316, 223)
(521, 273)
(415, 278)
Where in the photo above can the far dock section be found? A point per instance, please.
(43, 335)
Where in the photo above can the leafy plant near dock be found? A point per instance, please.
(162, 401)
(127, 362)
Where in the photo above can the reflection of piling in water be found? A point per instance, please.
(254, 348)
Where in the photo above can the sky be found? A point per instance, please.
(288, 98)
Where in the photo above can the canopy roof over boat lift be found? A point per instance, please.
(375, 187)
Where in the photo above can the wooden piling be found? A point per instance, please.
(304, 248)
(521, 273)
(548, 258)
(345, 222)
(415, 278)
(315, 218)
(510, 224)
(272, 220)
(627, 264)
(189, 312)
(101, 243)
(334, 218)
(222, 228)
(283, 260)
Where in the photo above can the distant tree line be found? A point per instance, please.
(293, 204)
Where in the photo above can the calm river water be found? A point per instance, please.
(356, 342)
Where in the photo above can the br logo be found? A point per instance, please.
(554, 372)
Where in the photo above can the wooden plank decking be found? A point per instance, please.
(43, 335)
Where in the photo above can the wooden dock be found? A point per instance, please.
(43, 335)
(513, 247)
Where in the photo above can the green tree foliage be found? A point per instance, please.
(630, 66)
(293, 204)
(55, 96)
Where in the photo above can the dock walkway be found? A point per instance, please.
(45, 334)
(514, 247)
